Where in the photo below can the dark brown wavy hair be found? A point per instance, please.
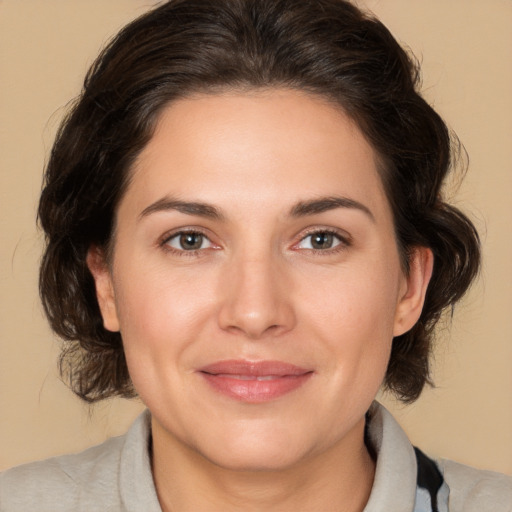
(326, 47)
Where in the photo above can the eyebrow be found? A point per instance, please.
(324, 204)
(187, 207)
(301, 209)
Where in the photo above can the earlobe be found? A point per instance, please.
(100, 271)
(412, 298)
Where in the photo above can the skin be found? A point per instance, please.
(258, 289)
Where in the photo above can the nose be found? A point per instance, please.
(256, 299)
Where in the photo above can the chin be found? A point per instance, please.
(256, 451)
(254, 461)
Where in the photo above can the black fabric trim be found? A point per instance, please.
(367, 440)
(429, 477)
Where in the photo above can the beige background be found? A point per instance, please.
(466, 50)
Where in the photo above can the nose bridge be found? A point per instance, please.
(255, 301)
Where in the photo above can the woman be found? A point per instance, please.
(245, 228)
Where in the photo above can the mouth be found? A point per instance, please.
(254, 381)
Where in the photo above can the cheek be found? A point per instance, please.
(160, 322)
(353, 313)
(354, 301)
(160, 316)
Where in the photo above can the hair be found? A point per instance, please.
(324, 47)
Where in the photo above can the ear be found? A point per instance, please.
(100, 271)
(412, 296)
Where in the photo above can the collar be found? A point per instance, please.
(394, 487)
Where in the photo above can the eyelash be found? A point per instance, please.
(344, 242)
(164, 244)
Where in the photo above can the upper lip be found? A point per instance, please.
(253, 368)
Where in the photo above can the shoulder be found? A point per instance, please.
(474, 490)
(59, 483)
(111, 477)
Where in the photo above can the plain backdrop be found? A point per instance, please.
(465, 47)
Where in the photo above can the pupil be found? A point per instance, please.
(322, 241)
(191, 241)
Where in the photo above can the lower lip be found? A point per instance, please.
(253, 390)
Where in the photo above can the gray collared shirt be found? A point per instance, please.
(116, 476)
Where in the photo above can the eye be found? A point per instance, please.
(321, 240)
(188, 241)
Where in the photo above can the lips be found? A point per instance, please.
(254, 381)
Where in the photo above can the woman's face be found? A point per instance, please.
(256, 280)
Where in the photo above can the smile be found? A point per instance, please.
(254, 382)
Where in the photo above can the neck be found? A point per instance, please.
(338, 479)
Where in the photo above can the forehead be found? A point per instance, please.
(245, 146)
